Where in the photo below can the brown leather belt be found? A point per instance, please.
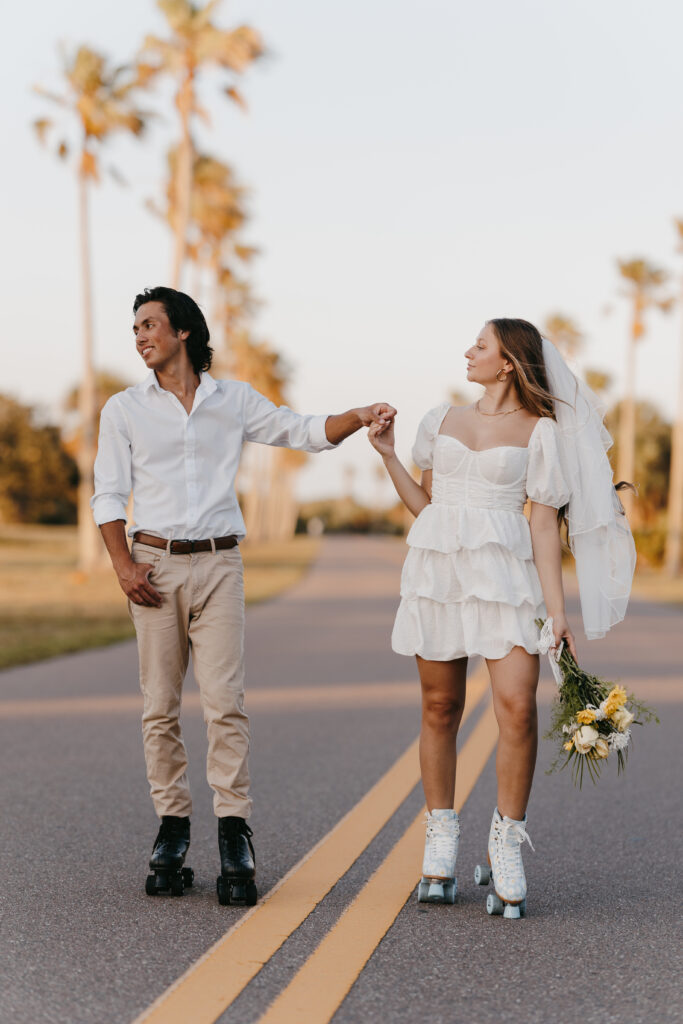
(186, 547)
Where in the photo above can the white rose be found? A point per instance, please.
(601, 747)
(584, 738)
(622, 719)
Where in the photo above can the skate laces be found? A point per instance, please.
(442, 833)
(511, 835)
(519, 834)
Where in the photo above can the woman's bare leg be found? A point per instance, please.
(443, 700)
(514, 680)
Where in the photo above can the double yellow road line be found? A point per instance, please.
(209, 987)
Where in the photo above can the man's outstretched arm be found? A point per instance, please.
(266, 423)
(347, 423)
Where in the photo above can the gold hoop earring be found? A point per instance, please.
(504, 377)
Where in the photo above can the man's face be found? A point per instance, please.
(155, 339)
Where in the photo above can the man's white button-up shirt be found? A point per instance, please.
(181, 468)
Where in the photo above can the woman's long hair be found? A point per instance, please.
(521, 344)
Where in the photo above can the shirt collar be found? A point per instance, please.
(207, 385)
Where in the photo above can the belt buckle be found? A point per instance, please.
(183, 540)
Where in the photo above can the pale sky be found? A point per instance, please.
(415, 168)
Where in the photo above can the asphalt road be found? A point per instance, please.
(332, 709)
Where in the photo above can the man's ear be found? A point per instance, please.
(183, 335)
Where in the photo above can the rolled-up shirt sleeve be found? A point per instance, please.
(266, 423)
(112, 466)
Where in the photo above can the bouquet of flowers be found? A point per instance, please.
(591, 718)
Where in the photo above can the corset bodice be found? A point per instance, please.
(492, 478)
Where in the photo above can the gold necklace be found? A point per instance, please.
(505, 413)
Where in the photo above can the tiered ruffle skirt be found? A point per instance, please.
(469, 585)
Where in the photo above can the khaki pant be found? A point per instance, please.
(202, 609)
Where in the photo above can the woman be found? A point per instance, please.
(478, 574)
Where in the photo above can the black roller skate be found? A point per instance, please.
(235, 884)
(168, 856)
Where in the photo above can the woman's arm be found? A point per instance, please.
(545, 539)
(413, 495)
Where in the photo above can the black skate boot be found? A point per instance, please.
(168, 856)
(235, 884)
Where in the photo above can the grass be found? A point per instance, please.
(48, 608)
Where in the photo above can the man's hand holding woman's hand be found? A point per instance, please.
(380, 421)
(346, 423)
(381, 415)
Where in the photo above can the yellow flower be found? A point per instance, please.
(569, 744)
(585, 717)
(616, 699)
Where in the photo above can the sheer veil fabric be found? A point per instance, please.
(599, 534)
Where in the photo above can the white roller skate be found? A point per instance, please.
(438, 884)
(505, 868)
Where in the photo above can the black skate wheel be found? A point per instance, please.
(223, 890)
(252, 894)
(177, 887)
(150, 885)
(238, 891)
(188, 877)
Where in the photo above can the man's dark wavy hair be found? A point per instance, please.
(183, 315)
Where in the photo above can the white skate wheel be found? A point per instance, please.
(449, 891)
(522, 909)
(511, 911)
(494, 904)
(422, 892)
(435, 891)
(482, 874)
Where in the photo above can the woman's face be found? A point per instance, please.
(483, 358)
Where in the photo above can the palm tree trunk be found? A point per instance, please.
(218, 325)
(674, 538)
(183, 182)
(627, 419)
(88, 535)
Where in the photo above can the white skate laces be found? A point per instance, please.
(505, 855)
(441, 844)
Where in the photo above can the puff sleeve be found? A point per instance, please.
(545, 482)
(423, 449)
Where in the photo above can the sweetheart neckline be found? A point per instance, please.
(480, 451)
(496, 447)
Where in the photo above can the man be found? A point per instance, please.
(175, 441)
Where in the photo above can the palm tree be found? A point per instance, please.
(564, 333)
(674, 538)
(598, 381)
(100, 100)
(217, 214)
(644, 284)
(195, 42)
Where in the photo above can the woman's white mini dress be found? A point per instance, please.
(469, 584)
